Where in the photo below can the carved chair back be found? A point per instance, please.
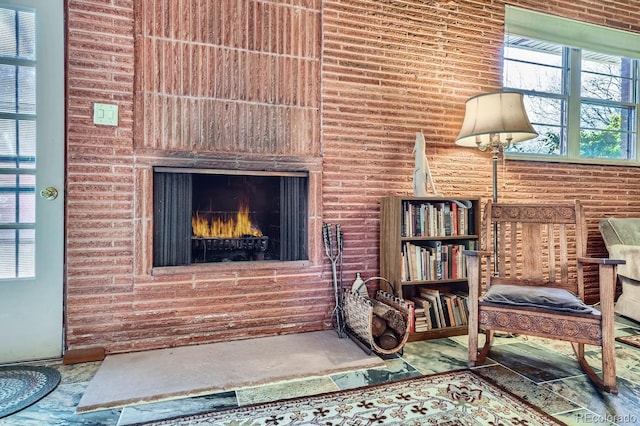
(537, 245)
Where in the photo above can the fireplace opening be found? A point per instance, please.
(205, 216)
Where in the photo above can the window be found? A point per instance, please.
(581, 93)
(17, 143)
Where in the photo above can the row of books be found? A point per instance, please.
(435, 309)
(434, 260)
(436, 219)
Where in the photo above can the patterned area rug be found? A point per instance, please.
(452, 398)
(633, 340)
(21, 386)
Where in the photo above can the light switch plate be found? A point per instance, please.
(105, 114)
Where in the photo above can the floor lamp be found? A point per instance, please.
(493, 122)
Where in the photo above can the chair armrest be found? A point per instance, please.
(474, 259)
(608, 268)
(601, 260)
(607, 276)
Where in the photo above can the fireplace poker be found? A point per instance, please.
(340, 285)
(340, 254)
(338, 313)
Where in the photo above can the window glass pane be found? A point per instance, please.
(532, 77)
(606, 131)
(8, 255)
(8, 143)
(27, 253)
(523, 49)
(8, 40)
(27, 204)
(7, 88)
(27, 144)
(606, 117)
(532, 65)
(27, 34)
(606, 77)
(8, 198)
(547, 117)
(549, 142)
(605, 144)
(27, 90)
(545, 110)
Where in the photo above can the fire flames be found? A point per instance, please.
(237, 227)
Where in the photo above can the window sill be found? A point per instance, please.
(586, 161)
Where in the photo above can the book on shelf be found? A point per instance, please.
(436, 251)
(454, 314)
(433, 296)
(435, 218)
(463, 299)
(423, 319)
(464, 313)
(411, 320)
(450, 309)
(434, 260)
(445, 312)
(455, 224)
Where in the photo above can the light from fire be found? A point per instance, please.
(219, 227)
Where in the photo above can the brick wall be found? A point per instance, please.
(195, 83)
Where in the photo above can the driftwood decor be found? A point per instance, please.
(422, 178)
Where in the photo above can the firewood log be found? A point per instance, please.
(378, 326)
(394, 318)
(388, 340)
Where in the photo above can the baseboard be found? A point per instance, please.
(76, 356)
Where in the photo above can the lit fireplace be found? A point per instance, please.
(218, 236)
(220, 226)
(203, 215)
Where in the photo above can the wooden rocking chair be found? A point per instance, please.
(536, 285)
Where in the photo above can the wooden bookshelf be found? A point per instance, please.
(421, 243)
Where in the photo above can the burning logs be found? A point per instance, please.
(219, 249)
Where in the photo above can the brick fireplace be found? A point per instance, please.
(215, 215)
(200, 302)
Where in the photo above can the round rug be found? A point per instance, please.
(21, 386)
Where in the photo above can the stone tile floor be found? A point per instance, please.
(540, 371)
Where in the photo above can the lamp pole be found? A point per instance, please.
(496, 146)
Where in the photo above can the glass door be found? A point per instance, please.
(31, 178)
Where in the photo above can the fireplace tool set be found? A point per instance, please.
(334, 253)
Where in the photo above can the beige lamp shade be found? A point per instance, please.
(497, 113)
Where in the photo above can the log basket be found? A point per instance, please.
(359, 317)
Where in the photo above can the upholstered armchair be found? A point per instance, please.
(622, 238)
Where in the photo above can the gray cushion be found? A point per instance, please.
(538, 297)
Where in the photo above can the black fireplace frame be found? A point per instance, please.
(172, 212)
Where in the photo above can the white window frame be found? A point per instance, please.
(574, 35)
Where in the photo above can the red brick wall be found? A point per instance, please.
(357, 79)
